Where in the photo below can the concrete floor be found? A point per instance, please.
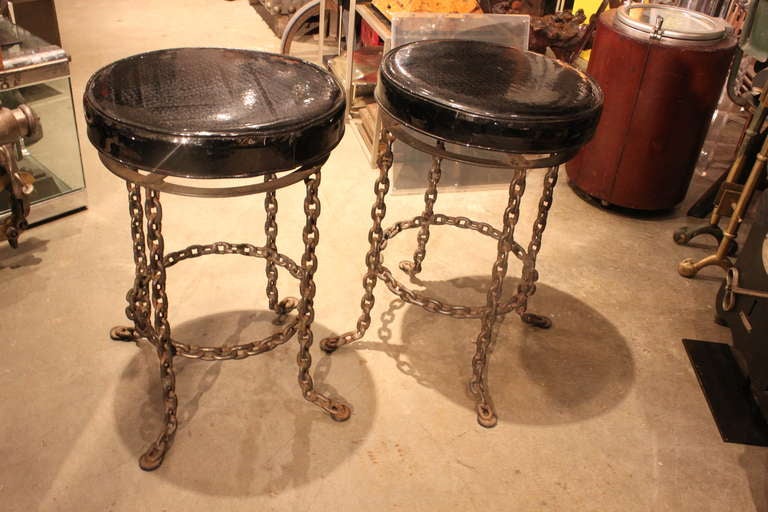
(603, 412)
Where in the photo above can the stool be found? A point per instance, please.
(512, 109)
(209, 113)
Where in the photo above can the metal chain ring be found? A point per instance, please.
(439, 219)
(436, 306)
(197, 250)
(240, 351)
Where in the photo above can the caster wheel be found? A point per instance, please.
(681, 236)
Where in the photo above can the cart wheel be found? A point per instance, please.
(299, 34)
(681, 236)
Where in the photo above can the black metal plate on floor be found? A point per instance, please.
(727, 392)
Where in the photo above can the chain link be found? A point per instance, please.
(436, 306)
(306, 308)
(529, 274)
(138, 309)
(430, 196)
(241, 351)
(161, 335)
(197, 250)
(439, 219)
(478, 385)
(375, 239)
(270, 228)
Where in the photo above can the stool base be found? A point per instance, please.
(148, 303)
(379, 238)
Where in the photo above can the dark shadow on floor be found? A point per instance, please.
(754, 460)
(244, 428)
(18, 264)
(580, 368)
(26, 255)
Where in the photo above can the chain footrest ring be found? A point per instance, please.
(435, 306)
(439, 219)
(197, 250)
(241, 351)
(431, 304)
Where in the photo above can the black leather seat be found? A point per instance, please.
(489, 96)
(213, 112)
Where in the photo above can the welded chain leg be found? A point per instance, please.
(138, 295)
(430, 196)
(373, 257)
(529, 276)
(160, 332)
(337, 410)
(270, 228)
(478, 385)
(285, 306)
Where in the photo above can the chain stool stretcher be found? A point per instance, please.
(483, 104)
(211, 113)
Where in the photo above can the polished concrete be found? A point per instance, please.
(603, 412)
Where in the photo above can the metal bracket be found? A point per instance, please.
(732, 289)
(727, 197)
(658, 32)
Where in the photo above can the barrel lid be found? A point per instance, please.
(670, 22)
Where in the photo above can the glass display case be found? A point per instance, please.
(36, 73)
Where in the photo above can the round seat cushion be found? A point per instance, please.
(489, 96)
(213, 112)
